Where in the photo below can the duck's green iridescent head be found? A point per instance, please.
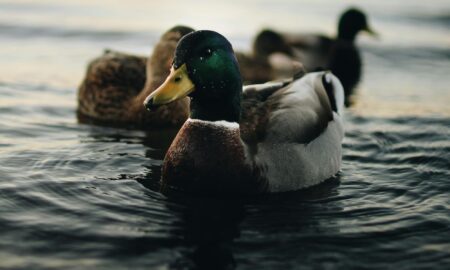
(205, 69)
(351, 22)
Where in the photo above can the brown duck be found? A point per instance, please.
(116, 85)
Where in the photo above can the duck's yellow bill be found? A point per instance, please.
(177, 85)
(371, 32)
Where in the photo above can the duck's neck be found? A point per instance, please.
(350, 37)
(346, 33)
(136, 104)
(228, 108)
(155, 76)
(151, 84)
(157, 67)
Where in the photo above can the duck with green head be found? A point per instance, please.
(340, 55)
(271, 137)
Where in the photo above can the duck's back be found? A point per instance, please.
(345, 62)
(111, 81)
(294, 136)
(254, 69)
(318, 52)
(312, 50)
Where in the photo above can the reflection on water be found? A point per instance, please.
(209, 228)
(75, 196)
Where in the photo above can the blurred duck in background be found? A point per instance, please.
(315, 52)
(116, 85)
(272, 58)
(340, 54)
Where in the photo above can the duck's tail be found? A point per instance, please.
(335, 92)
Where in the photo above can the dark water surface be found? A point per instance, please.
(75, 196)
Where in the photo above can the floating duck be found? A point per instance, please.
(272, 137)
(116, 85)
(271, 59)
(340, 55)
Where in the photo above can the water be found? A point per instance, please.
(75, 196)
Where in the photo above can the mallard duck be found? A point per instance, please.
(271, 137)
(340, 54)
(116, 85)
(270, 59)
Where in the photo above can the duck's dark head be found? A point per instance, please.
(351, 22)
(162, 56)
(181, 29)
(205, 69)
(268, 42)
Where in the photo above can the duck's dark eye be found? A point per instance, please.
(177, 79)
(207, 52)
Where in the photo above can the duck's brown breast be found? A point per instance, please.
(209, 159)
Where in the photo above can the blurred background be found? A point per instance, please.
(406, 70)
(75, 196)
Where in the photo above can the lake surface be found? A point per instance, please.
(75, 196)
